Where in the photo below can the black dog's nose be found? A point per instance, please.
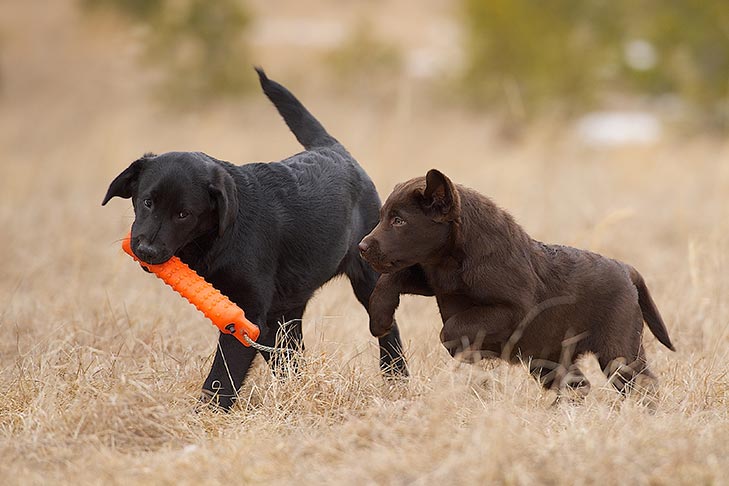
(147, 253)
(363, 247)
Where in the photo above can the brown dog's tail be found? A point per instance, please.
(649, 310)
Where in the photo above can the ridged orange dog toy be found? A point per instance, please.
(227, 316)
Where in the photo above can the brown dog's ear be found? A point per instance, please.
(125, 183)
(225, 195)
(440, 196)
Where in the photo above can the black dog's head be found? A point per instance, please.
(177, 197)
(415, 223)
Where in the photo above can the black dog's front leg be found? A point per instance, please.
(230, 366)
(286, 334)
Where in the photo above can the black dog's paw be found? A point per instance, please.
(214, 401)
(392, 360)
(393, 364)
(394, 368)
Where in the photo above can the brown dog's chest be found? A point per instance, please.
(452, 304)
(445, 277)
(451, 292)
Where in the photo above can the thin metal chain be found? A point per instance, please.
(263, 347)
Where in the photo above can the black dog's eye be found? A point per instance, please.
(147, 203)
(183, 214)
(397, 221)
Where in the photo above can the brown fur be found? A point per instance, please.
(502, 293)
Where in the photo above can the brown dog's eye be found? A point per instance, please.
(147, 203)
(183, 214)
(397, 221)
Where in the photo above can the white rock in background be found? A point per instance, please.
(617, 128)
(640, 55)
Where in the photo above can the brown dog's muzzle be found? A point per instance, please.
(369, 250)
(364, 247)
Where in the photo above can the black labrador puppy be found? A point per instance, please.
(267, 235)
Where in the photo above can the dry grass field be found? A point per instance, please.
(101, 364)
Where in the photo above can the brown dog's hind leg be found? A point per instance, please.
(632, 377)
(574, 385)
(476, 332)
(569, 383)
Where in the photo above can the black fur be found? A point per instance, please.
(267, 235)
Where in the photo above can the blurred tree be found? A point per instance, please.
(138, 9)
(529, 55)
(363, 56)
(199, 45)
(691, 39)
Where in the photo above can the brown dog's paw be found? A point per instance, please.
(379, 329)
(382, 319)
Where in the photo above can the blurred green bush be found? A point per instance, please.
(529, 55)
(199, 46)
(363, 56)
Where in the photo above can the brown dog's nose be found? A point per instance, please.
(363, 246)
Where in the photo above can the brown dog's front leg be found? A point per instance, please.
(384, 301)
(385, 298)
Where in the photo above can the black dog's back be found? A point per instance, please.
(317, 204)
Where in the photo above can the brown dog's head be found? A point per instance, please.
(177, 197)
(416, 223)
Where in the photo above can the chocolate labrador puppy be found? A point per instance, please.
(267, 235)
(503, 294)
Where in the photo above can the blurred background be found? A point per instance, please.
(516, 60)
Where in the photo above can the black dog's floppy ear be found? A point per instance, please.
(225, 195)
(124, 184)
(440, 196)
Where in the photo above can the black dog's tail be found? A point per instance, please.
(649, 310)
(307, 129)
